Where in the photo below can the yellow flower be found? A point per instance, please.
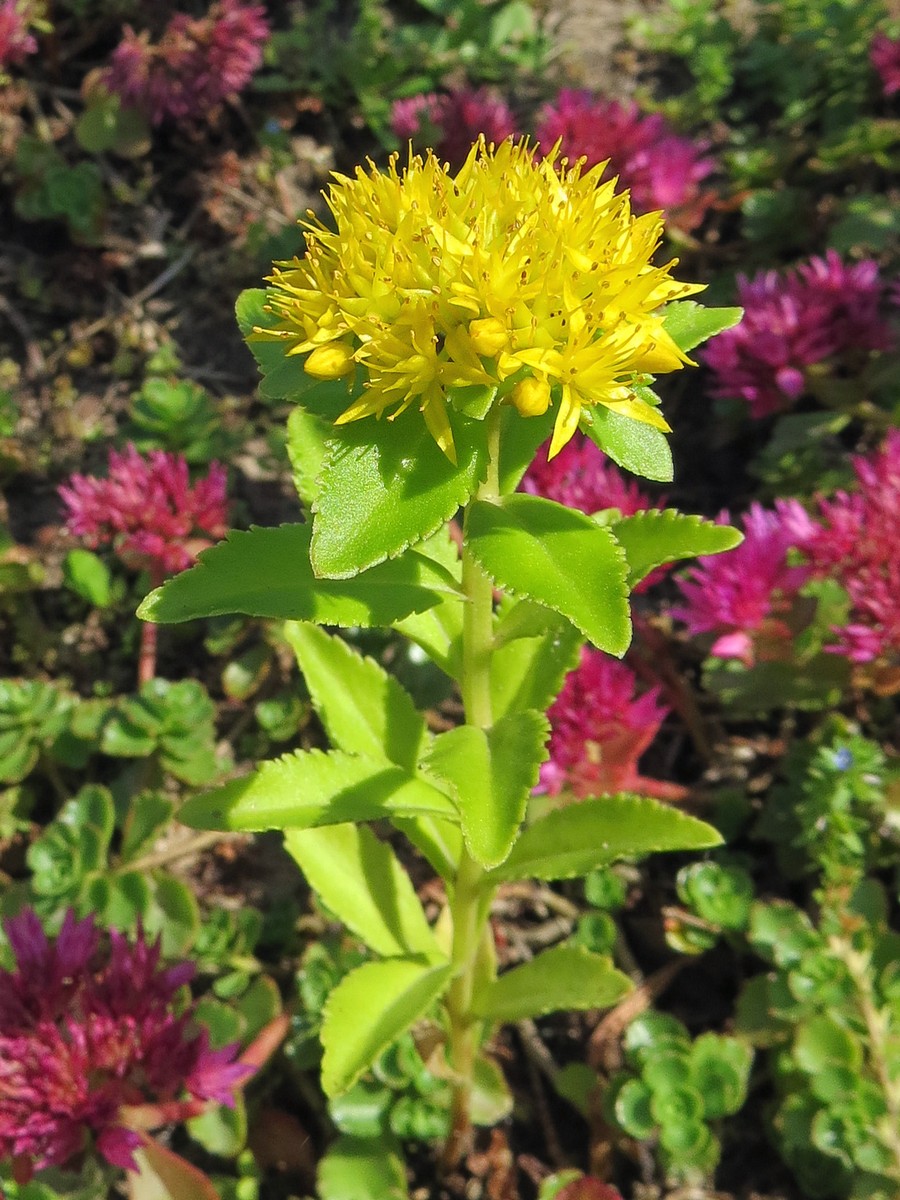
(522, 274)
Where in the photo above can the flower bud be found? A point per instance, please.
(488, 336)
(531, 396)
(330, 361)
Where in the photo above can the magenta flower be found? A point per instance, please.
(884, 55)
(745, 595)
(822, 310)
(450, 122)
(92, 1041)
(16, 39)
(582, 477)
(857, 542)
(661, 169)
(196, 65)
(148, 511)
(599, 730)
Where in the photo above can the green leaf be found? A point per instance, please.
(575, 840)
(361, 881)
(307, 440)
(362, 1169)
(173, 914)
(528, 672)
(148, 814)
(363, 708)
(719, 894)
(492, 1100)
(558, 557)
(363, 1111)
(720, 1069)
(259, 1006)
(221, 1130)
(86, 574)
(440, 841)
(492, 773)
(520, 438)
(654, 537)
(369, 1009)
(566, 977)
(438, 630)
(638, 447)
(632, 1109)
(765, 686)
(653, 1033)
(824, 1042)
(311, 788)
(267, 573)
(120, 900)
(92, 806)
(386, 485)
(283, 377)
(688, 323)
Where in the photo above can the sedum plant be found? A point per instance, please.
(674, 1089)
(438, 331)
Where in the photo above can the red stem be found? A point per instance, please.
(149, 638)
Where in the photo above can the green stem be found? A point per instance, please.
(880, 1053)
(470, 901)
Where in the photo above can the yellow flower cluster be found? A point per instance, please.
(520, 274)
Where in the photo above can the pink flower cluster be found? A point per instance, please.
(599, 730)
(744, 595)
(87, 1036)
(858, 543)
(661, 169)
(450, 122)
(196, 64)
(748, 597)
(822, 310)
(582, 477)
(147, 510)
(16, 40)
(884, 55)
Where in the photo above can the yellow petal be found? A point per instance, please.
(639, 411)
(488, 336)
(438, 423)
(531, 396)
(330, 361)
(566, 421)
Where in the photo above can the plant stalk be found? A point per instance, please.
(470, 901)
(149, 638)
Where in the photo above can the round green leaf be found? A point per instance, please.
(720, 1067)
(632, 1109)
(654, 1032)
(362, 1112)
(666, 1070)
(678, 1110)
(362, 1169)
(721, 895)
(823, 1042)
